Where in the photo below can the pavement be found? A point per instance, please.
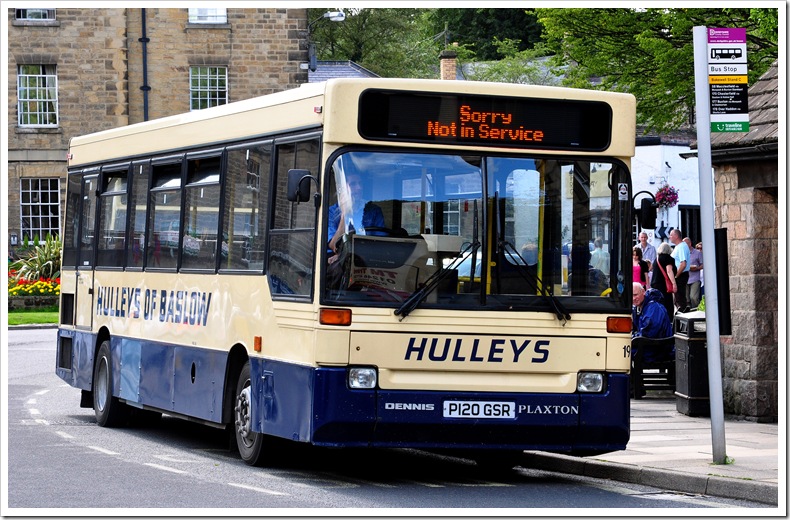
(674, 451)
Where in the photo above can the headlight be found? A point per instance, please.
(362, 377)
(589, 382)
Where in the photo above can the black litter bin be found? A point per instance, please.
(691, 365)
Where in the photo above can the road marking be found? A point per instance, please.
(174, 458)
(426, 484)
(42, 392)
(259, 490)
(42, 421)
(64, 435)
(34, 411)
(102, 450)
(164, 468)
(31, 401)
(483, 483)
(365, 482)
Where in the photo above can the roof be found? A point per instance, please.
(763, 115)
(338, 69)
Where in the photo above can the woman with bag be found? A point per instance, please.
(663, 277)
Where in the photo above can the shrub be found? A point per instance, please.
(42, 262)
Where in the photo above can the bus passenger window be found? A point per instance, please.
(112, 220)
(165, 217)
(201, 225)
(138, 204)
(246, 207)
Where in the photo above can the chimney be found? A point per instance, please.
(447, 64)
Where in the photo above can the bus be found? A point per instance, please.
(487, 311)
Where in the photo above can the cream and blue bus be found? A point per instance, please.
(475, 296)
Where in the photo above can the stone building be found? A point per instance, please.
(73, 71)
(746, 172)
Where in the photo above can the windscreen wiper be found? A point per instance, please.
(432, 282)
(521, 267)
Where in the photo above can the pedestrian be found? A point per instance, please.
(640, 273)
(648, 251)
(663, 277)
(681, 255)
(695, 272)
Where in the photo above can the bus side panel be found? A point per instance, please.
(156, 376)
(605, 418)
(199, 377)
(185, 380)
(80, 373)
(282, 396)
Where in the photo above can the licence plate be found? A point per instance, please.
(479, 409)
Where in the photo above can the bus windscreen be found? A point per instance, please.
(465, 119)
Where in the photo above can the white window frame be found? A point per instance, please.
(208, 15)
(37, 96)
(39, 204)
(34, 15)
(208, 86)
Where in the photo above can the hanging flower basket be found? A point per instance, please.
(666, 197)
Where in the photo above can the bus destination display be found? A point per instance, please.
(485, 120)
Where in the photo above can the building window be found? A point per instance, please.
(36, 14)
(208, 15)
(37, 92)
(208, 87)
(40, 207)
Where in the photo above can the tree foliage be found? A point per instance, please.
(528, 66)
(385, 41)
(649, 52)
(479, 30)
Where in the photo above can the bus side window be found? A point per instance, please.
(246, 207)
(137, 206)
(292, 240)
(165, 210)
(71, 241)
(201, 225)
(112, 219)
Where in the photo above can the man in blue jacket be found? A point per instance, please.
(650, 320)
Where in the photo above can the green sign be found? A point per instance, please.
(734, 126)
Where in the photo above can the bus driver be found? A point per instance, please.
(357, 214)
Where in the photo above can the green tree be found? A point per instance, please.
(480, 29)
(649, 52)
(385, 41)
(529, 66)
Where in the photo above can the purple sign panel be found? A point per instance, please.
(727, 35)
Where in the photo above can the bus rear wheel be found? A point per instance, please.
(108, 409)
(249, 442)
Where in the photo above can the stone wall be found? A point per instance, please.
(88, 48)
(750, 355)
(99, 67)
(260, 48)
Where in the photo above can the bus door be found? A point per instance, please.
(83, 305)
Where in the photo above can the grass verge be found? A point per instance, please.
(43, 316)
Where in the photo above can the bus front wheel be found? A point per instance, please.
(108, 409)
(249, 442)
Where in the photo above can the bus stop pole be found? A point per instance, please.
(706, 199)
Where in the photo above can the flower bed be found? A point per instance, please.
(44, 287)
(26, 294)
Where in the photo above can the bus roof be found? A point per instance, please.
(310, 106)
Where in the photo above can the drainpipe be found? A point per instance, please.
(145, 88)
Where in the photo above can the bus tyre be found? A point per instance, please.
(249, 443)
(108, 409)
